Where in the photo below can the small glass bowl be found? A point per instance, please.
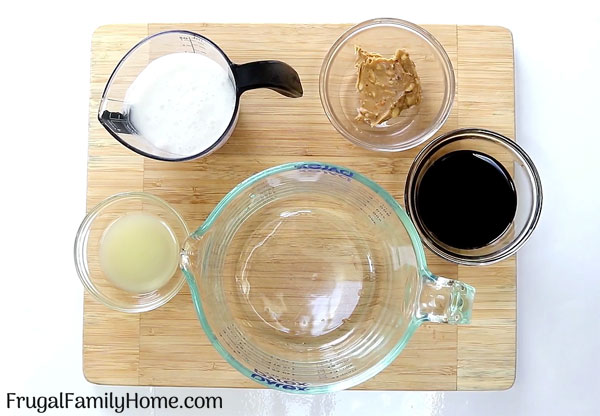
(87, 249)
(337, 85)
(524, 175)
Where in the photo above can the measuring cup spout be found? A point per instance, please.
(275, 75)
(191, 253)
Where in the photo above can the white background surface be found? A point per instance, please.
(43, 114)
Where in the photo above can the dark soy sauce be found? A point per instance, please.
(466, 199)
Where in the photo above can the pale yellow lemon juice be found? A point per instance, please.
(139, 253)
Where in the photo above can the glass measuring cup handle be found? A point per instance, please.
(444, 300)
(275, 75)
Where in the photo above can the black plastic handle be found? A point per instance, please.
(275, 75)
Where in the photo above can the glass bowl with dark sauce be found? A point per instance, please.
(474, 195)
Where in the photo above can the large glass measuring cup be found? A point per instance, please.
(310, 278)
(115, 114)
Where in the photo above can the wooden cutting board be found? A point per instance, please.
(167, 347)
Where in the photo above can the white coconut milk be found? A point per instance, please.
(181, 103)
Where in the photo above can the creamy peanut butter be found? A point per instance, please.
(386, 86)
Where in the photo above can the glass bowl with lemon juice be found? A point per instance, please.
(127, 252)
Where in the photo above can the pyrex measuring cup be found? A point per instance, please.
(114, 114)
(310, 278)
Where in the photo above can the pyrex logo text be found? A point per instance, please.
(326, 168)
(278, 383)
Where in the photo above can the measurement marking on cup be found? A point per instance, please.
(284, 372)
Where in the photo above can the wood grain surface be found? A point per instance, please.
(167, 347)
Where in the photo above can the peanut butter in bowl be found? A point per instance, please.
(386, 86)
